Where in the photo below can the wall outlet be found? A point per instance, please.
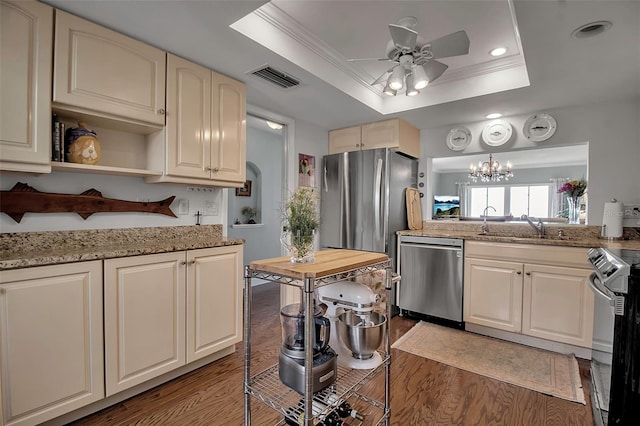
(210, 208)
(631, 211)
(200, 189)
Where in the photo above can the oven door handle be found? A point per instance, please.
(596, 288)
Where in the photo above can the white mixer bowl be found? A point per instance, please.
(362, 334)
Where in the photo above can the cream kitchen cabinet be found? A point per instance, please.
(51, 341)
(395, 133)
(205, 137)
(163, 311)
(100, 72)
(26, 31)
(539, 291)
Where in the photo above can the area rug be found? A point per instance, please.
(536, 369)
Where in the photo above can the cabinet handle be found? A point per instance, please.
(161, 111)
(215, 170)
(528, 273)
(518, 272)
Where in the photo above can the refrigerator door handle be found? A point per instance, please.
(326, 186)
(377, 205)
(347, 204)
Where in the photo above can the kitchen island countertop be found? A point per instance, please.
(573, 236)
(27, 249)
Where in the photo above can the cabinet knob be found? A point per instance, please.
(528, 273)
(161, 111)
(183, 263)
(215, 170)
(518, 272)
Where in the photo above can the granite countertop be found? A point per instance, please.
(573, 236)
(21, 250)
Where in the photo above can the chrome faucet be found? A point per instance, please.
(538, 227)
(485, 227)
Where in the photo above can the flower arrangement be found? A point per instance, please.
(301, 222)
(574, 188)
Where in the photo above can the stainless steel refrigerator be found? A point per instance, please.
(363, 200)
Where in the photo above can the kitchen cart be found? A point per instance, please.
(329, 266)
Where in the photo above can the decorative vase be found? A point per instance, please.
(574, 209)
(301, 247)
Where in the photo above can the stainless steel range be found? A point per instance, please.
(615, 365)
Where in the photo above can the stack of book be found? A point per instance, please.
(57, 139)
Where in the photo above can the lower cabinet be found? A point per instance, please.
(51, 342)
(552, 302)
(165, 310)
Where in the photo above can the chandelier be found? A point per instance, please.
(490, 171)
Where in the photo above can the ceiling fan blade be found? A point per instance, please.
(367, 59)
(434, 69)
(403, 37)
(381, 78)
(453, 44)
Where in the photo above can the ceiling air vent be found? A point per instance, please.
(276, 77)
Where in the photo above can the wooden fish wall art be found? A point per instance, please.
(23, 198)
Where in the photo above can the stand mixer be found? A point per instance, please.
(356, 331)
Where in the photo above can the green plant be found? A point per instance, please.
(250, 213)
(301, 220)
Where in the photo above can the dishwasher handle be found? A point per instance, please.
(430, 246)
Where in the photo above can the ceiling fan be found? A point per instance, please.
(416, 64)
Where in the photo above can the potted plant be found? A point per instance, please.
(250, 213)
(300, 217)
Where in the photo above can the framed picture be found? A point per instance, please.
(306, 170)
(245, 191)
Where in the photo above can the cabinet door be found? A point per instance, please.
(228, 132)
(214, 300)
(26, 34)
(344, 140)
(493, 293)
(188, 150)
(130, 84)
(396, 133)
(558, 304)
(51, 344)
(144, 318)
(383, 134)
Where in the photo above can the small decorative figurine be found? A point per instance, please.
(81, 145)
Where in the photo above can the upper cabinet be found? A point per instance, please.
(395, 133)
(206, 127)
(25, 86)
(105, 72)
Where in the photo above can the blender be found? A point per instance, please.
(291, 360)
(356, 330)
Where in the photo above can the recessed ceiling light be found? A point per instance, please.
(591, 29)
(498, 51)
(274, 126)
(493, 115)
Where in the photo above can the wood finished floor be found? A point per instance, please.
(423, 392)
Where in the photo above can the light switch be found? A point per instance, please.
(183, 207)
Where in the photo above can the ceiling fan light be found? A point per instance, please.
(396, 79)
(420, 80)
(389, 91)
(411, 88)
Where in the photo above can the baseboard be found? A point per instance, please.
(128, 393)
(563, 348)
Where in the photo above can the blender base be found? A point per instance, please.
(324, 371)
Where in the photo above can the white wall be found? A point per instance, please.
(265, 151)
(118, 187)
(612, 130)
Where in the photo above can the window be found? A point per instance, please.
(515, 200)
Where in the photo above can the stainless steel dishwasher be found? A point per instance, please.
(431, 286)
